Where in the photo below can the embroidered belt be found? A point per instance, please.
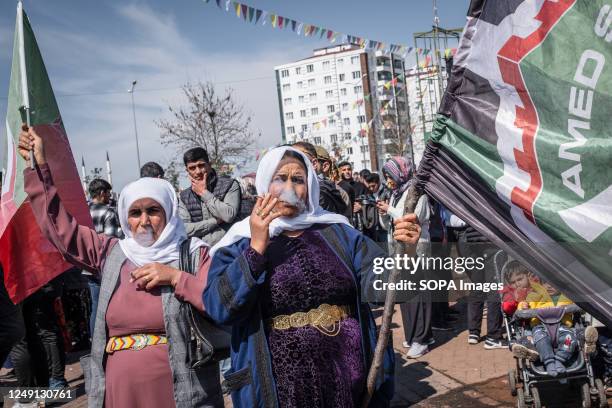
(324, 318)
(134, 342)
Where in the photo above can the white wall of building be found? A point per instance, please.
(322, 100)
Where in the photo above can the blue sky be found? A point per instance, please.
(100, 47)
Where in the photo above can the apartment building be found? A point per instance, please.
(348, 99)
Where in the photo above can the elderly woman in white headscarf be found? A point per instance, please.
(140, 342)
(293, 281)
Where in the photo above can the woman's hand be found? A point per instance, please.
(261, 217)
(382, 206)
(407, 229)
(30, 141)
(155, 274)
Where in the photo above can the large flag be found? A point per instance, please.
(28, 259)
(523, 140)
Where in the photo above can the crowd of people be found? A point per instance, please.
(281, 265)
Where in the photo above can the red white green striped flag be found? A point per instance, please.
(28, 259)
(522, 148)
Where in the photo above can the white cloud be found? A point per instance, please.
(158, 55)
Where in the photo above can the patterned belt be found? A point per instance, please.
(134, 342)
(324, 318)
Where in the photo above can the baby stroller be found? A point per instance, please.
(526, 380)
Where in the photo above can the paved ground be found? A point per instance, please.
(453, 374)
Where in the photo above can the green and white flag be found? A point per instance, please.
(523, 146)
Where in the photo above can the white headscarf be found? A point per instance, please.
(166, 248)
(313, 215)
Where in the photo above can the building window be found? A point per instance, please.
(347, 121)
(397, 64)
(314, 111)
(289, 115)
(384, 76)
(340, 61)
(361, 119)
(300, 85)
(356, 74)
(325, 64)
(329, 94)
(286, 87)
(332, 122)
(317, 140)
(380, 61)
(365, 148)
(287, 101)
(311, 82)
(327, 80)
(290, 129)
(301, 99)
(298, 70)
(333, 138)
(341, 77)
(331, 108)
(345, 106)
(303, 113)
(347, 135)
(349, 150)
(358, 89)
(313, 96)
(343, 91)
(304, 128)
(355, 59)
(310, 68)
(284, 73)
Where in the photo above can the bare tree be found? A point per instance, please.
(172, 174)
(95, 173)
(215, 122)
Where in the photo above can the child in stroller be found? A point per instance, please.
(554, 337)
(548, 336)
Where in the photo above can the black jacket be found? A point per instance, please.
(330, 198)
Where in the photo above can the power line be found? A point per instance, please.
(100, 93)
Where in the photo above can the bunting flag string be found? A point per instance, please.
(254, 16)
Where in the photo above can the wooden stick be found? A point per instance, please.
(385, 328)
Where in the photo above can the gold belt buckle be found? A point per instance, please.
(140, 341)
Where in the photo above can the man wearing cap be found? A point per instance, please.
(330, 198)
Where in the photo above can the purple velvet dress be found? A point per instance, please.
(312, 369)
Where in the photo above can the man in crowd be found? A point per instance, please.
(376, 192)
(355, 189)
(152, 169)
(39, 358)
(330, 198)
(105, 222)
(211, 205)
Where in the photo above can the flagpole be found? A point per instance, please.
(24, 75)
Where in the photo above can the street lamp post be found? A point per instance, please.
(131, 92)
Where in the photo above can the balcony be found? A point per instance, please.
(383, 68)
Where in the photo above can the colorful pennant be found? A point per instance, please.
(249, 14)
